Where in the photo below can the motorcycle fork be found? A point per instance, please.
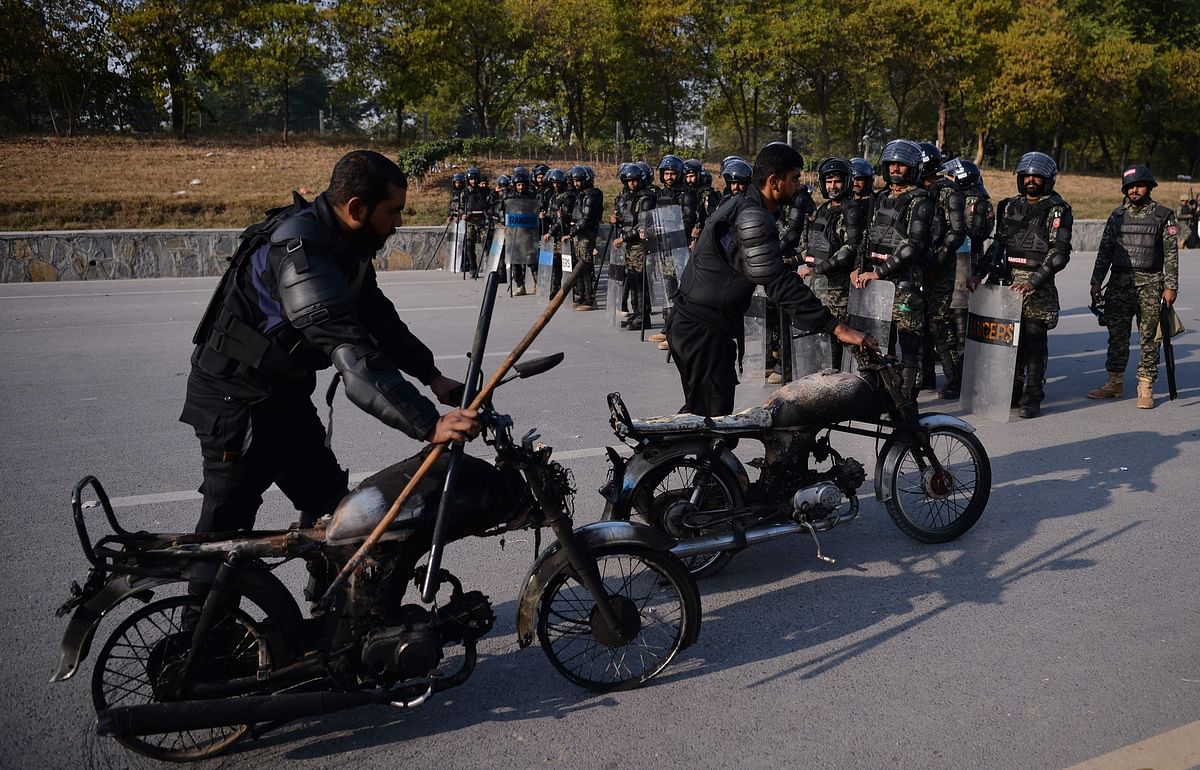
(214, 601)
(584, 566)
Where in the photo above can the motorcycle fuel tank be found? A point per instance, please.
(823, 397)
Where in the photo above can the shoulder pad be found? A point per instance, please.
(299, 228)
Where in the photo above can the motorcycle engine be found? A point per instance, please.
(825, 495)
(411, 649)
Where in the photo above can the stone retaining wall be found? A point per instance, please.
(104, 254)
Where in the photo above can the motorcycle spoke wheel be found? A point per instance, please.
(141, 663)
(675, 485)
(935, 506)
(657, 603)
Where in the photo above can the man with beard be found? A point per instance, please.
(737, 251)
(632, 204)
(300, 294)
(1033, 243)
(1140, 245)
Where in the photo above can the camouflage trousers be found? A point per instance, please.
(939, 316)
(834, 293)
(635, 256)
(1042, 305)
(582, 248)
(1123, 301)
(476, 234)
(908, 311)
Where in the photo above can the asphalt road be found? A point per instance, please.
(1063, 627)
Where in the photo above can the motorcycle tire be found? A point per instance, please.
(936, 507)
(651, 591)
(145, 651)
(673, 482)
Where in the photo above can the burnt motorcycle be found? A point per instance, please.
(931, 472)
(229, 653)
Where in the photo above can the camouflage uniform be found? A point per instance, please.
(908, 310)
(1136, 291)
(949, 232)
(477, 209)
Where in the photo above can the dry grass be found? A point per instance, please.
(120, 182)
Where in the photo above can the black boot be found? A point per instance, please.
(1035, 380)
(952, 368)
(928, 379)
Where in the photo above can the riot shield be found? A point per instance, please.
(521, 228)
(545, 269)
(666, 240)
(756, 357)
(990, 355)
(962, 271)
(614, 288)
(456, 236)
(811, 351)
(568, 263)
(496, 249)
(871, 312)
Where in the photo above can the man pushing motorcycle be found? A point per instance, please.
(300, 294)
(738, 250)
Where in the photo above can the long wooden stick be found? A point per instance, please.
(481, 398)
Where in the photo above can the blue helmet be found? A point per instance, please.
(735, 169)
(931, 159)
(671, 163)
(904, 152)
(862, 169)
(835, 165)
(1036, 164)
(964, 173)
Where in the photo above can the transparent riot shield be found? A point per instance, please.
(757, 358)
(496, 249)
(871, 312)
(990, 355)
(521, 228)
(614, 288)
(545, 269)
(454, 252)
(962, 271)
(810, 351)
(666, 240)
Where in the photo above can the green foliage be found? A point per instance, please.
(417, 160)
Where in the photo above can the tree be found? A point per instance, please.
(272, 44)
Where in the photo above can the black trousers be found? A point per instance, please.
(706, 361)
(248, 446)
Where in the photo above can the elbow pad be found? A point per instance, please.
(761, 258)
(903, 255)
(842, 259)
(375, 386)
(1055, 262)
(313, 294)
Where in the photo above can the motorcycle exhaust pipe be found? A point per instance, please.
(732, 541)
(154, 718)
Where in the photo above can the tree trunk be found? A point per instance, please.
(286, 112)
(943, 108)
(399, 119)
(176, 87)
(980, 139)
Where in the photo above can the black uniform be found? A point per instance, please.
(738, 250)
(296, 298)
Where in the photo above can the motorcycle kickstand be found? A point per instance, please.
(820, 555)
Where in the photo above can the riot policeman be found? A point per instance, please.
(458, 189)
(981, 221)
(864, 184)
(673, 191)
(706, 197)
(832, 242)
(634, 202)
(299, 295)
(522, 186)
(585, 223)
(949, 232)
(898, 239)
(558, 220)
(736, 172)
(1033, 243)
(476, 212)
(1140, 246)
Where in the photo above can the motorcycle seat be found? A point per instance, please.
(751, 419)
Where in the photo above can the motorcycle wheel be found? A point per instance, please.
(653, 595)
(665, 494)
(936, 507)
(140, 664)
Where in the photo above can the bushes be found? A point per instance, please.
(419, 158)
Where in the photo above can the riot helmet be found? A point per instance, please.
(862, 169)
(705, 178)
(931, 159)
(1137, 174)
(473, 172)
(458, 180)
(834, 165)
(540, 169)
(735, 169)
(906, 153)
(629, 172)
(647, 172)
(579, 174)
(692, 166)
(1036, 164)
(556, 177)
(964, 173)
(670, 163)
(520, 174)
(503, 181)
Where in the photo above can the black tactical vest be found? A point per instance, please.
(1139, 239)
(823, 236)
(477, 204)
(1027, 231)
(888, 228)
